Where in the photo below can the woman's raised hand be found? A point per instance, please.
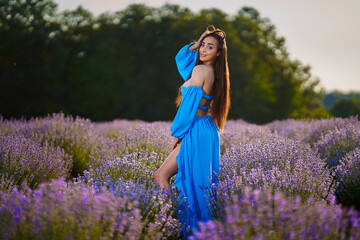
(196, 46)
(203, 35)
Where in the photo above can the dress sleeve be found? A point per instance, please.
(185, 61)
(191, 97)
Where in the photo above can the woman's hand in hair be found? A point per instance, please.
(196, 46)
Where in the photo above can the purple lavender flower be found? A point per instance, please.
(24, 161)
(348, 177)
(69, 210)
(265, 214)
(280, 163)
(336, 143)
(273, 183)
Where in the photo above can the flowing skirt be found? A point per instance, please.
(198, 165)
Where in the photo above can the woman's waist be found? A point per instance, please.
(205, 122)
(206, 118)
(203, 116)
(202, 113)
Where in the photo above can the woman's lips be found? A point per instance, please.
(202, 55)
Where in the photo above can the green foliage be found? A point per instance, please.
(331, 97)
(121, 65)
(345, 108)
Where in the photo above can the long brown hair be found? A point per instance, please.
(221, 89)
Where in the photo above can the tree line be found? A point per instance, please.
(121, 64)
(342, 104)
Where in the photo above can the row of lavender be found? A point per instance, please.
(287, 180)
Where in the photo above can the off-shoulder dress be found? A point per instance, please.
(199, 156)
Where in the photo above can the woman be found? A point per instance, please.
(203, 104)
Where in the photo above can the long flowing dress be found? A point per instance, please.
(199, 156)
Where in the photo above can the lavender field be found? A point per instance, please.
(70, 178)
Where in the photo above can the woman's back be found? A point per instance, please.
(203, 77)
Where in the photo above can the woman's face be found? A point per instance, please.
(208, 50)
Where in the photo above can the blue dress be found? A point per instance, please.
(199, 156)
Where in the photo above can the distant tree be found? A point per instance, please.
(331, 97)
(121, 65)
(25, 51)
(345, 108)
(266, 84)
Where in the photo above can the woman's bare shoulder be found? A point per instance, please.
(204, 71)
(203, 68)
(201, 74)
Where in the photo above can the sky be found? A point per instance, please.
(321, 33)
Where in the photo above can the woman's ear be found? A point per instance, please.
(218, 53)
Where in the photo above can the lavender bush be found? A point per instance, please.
(283, 164)
(348, 176)
(123, 137)
(273, 180)
(310, 131)
(76, 136)
(139, 165)
(336, 143)
(297, 129)
(262, 214)
(25, 161)
(131, 176)
(67, 211)
(137, 135)
(238, 131)
(157, 208)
